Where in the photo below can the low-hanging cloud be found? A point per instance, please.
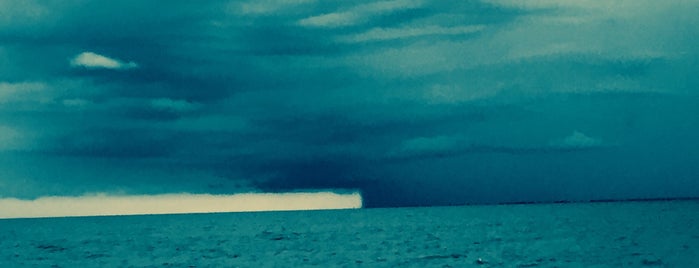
(103, 204)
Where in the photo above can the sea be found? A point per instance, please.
(602, 234)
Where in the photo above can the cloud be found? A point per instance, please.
(618, 29)
(23, 92)
(102, 204)
(331, 20)
(358, 14)
(95, 61)
(264, 7)
(577, 140)
(383, 34)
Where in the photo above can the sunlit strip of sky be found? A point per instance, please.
(101, 204)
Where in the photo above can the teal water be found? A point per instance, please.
(634, 234)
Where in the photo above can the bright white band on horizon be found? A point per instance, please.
(102, 205)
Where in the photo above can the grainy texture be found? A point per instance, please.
(653, 234)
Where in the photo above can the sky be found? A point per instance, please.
(409, 102)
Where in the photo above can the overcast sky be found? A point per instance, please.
(412, 102)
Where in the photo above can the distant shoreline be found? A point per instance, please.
(659, 199)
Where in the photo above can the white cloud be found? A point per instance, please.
(358, 14)
(576, 140)
(582, 8)
(261, 7)
(101, 204)
(332, 20)
(624, 30)
(381, 34)
(95, 61)
(613, 29)
(23, 92)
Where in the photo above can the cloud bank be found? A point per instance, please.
(103, 205)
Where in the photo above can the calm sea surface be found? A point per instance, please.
(637, 234)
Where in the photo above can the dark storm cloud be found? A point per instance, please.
(121, 143)
(411, 102)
